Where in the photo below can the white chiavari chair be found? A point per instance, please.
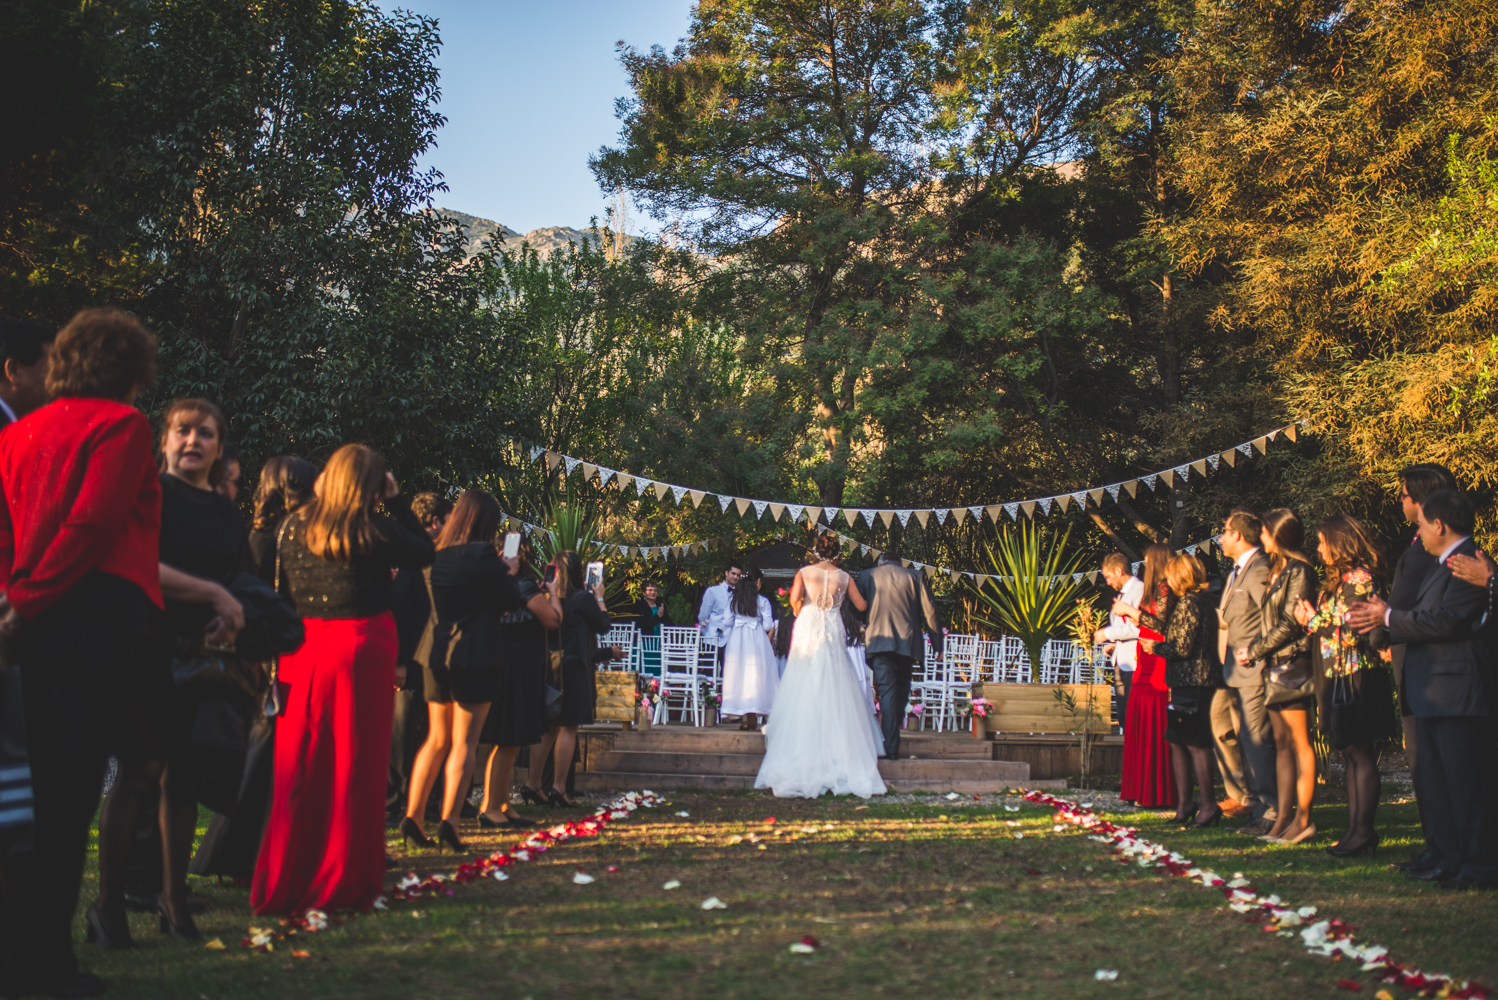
(626, 637)
(680, 678)
(959, 660)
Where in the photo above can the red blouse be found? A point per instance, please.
(78, 492)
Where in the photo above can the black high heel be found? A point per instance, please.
(1216, 818)
(182, 932)
(98, 932)
(531, 796)
(1187, 812)
(411, 831)
(510, 819)
(1369, 847)
(448, 837)
(559, 799)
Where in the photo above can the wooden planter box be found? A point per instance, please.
(1032, 708)
(616, 699)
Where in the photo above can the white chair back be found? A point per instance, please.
(680, 679)
(626, 638)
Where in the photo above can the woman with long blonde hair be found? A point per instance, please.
(324, 845)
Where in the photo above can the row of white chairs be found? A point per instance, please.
(940, 683)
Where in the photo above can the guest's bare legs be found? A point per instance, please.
(497, 780)
(562, 762)
(468, 723)
(428, 758)
(1297, 723)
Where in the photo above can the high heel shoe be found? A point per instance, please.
(559, 799)
(532, 796)
(186, 931)
(99, 932)
(510, 819)
(1200, 823)
(448, 837)
(1186, 812)
(411, 831)
(1369, 847)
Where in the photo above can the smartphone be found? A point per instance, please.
(512, 545)
(551, 573)
(594, 575)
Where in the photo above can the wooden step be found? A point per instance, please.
(686, 739)
(650, 762)
(643, 769)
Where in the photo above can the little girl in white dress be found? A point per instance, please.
(750, 677)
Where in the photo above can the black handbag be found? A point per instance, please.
(1342, 723)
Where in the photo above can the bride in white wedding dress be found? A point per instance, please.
(821, 736)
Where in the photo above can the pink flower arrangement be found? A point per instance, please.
(981, 707)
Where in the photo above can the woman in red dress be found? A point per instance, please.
(324, 846)
(1147, 779)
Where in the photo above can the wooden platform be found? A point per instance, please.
(723, 757)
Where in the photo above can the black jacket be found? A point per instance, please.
(471, 587)
(1446, 660)
(1404, 592)
(1283, 639)
(649, 620)
(583, 621)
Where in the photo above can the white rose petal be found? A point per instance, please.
(672, 884)
(1105, 975)
(582, 878)
(714, 903)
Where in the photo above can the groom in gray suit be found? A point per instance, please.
(899, 603)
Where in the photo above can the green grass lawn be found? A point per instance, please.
(907, 900)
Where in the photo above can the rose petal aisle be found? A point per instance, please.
(412, 887)
(1329, 938)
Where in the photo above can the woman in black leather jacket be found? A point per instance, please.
(1283, 650)
(1190, 652)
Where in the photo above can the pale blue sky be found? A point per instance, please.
(528, 90)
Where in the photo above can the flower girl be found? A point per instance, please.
(750, 677)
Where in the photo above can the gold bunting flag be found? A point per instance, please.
(1169, 478)
(1096, 496)
(661, 489)
(813, 515)
(851, 516)
(742, 504)
(776, 509)
(552, 461)
(887, 516)
(1028, 507)
(1292, 432)
(994, 512)
(1262, 444)
(1199, 467)
(696, 496)
(1132, 487)
(1063, 501)
(589, 471)
(922, 516)
(1230, 456)
(624, 480)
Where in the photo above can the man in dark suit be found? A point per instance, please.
(899, 604)
(1444, 666)
(1239, 623)
(1415, 484)
(25, 349)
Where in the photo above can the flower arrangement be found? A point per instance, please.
(981, 707)
(783, 600)
(649, 690)
(710, 697)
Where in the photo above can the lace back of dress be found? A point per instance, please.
(830, 595)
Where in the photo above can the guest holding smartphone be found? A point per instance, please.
(584, 617)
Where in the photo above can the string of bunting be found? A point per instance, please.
(635, 551)
(871, 516)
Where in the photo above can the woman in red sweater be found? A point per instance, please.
(80, 513)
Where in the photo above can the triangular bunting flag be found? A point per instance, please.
(1081, 499)
(813, 515)
(604, 475)
(941, 515)
(724, 501)
(1292, 432)
(1076, 578)
(1063, 501)
(977, 513)
(1262, 444)
(1230, 457)
(1169, 478)
(677, 492)
(661, 489)
(1096, 496)
(1213, 461)
(623, 480)
(1113, 491)
(536, 452)
(1191, 549)
(572, 463)
(697, 497)
(868, 517)
(776, 509)
(851, 516)
(552, 460)
(904, 516)
(958, 514)
(1273, 434)
(1149, 481)
(742, 504)
(1092, 577)
(641, 485)
(1132, 487)
(905, 563)
(956, 573)
(1012, 509)
(831, 514)
(876, 553)
(1184, 471)
(993, 512)
(759, 508)
(589, 471)
(796, 511)
(1028, 506)
(1247, 450)
(1045, 505)
(887, 516)
(1199, 467)
(922, 517)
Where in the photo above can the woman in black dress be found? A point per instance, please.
(649, 612)
(518, 716)
(585, 617)
(471, 586)
(1190, 656)
(285, 484)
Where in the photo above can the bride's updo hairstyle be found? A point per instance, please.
(828, 548)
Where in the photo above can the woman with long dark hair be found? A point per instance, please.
(471, 586)
(1146, 774)
(285, 484)
(324, 845)
(750, 675)
(1285, 651)
(1354, 690)
(584, 617)
(518, 716)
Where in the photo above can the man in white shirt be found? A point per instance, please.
(715, 602)
(1121, 633)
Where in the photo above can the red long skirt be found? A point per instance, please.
(1146, 756)
(324, 845)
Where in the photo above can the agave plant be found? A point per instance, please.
(576, 525)
(1034, 595)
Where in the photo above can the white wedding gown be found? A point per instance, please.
(821, 737)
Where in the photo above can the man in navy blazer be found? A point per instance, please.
(1445, 664)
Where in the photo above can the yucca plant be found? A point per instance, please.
(1034, 595)
(576, 525)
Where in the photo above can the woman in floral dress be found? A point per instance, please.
(1355, 692)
